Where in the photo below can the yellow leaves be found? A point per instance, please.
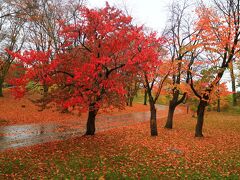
(101, 178)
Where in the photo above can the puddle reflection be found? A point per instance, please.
(27, 135)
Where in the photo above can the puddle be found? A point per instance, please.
(27, 135)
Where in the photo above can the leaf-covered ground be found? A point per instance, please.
(129, 152)
(23, 111)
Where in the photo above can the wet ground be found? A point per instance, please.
(27, 135)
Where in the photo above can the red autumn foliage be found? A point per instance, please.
(87, 72)
(23, 111)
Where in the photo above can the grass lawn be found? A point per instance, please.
(130, 153)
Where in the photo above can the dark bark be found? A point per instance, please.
(131, 101)
(45, 90)
(234, 96)
(218, 105)
(153, 119)
(233, 80)
(171, 109)
(200, 118)
(45, 96)
(1, 88)
(145, 98)
(132, 92)
(187, 108)
(174, 102)
(92, 112)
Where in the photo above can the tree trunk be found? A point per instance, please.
(45, 90)
(153, 120)
(200, 118)
(42, 103)
(233, 79)
(145, 98)
(127, 100)
(131, 101)
(218, 105)
(92, 112)
(45, 97)
(234, 96)
(1, 88)
(174, 102)
(171, 109)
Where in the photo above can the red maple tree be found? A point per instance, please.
(87, 71)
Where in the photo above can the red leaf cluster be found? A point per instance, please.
(95, 53)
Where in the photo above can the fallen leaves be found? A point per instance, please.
(23, 111)
(129, 151)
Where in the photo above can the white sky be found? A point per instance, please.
(151, 13)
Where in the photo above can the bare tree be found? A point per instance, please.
(11, 38)
(42, 28)
(179, 32)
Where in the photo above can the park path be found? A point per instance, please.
(16, 136)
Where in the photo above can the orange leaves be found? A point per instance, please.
(129, 152)
(22, 111)
(217, 32)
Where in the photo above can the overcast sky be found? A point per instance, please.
(152, 13)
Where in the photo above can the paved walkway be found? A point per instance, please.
(27, 135)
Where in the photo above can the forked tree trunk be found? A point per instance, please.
(92, 112)
(200, 118)
(171, 110)
(145, 98)
(175, 101)
(153, 119)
